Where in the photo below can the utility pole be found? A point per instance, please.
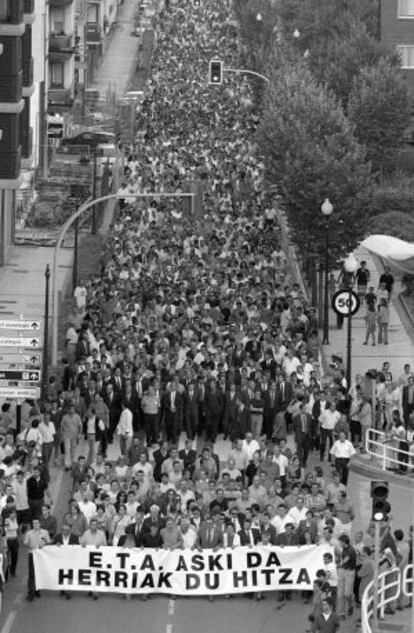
(45, 364)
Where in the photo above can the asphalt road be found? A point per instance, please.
(110, 614)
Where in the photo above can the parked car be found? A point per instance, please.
(88, 139)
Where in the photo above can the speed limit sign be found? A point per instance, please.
(345, 302)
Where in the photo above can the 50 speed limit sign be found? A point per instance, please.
(345, 302)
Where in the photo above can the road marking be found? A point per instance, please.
(168, 629)
(9, 622)
(171, 606)
(18, 599)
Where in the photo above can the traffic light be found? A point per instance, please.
(379, 495)
(216, 72)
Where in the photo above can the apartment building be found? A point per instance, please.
(16, 89)
(397, 33)
(61, 60)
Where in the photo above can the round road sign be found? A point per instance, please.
(345, 302)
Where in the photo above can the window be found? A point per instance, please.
(406, 54)
(58, 21)
(56, 75)
(5, 10)
(93, 14)
(406, 9)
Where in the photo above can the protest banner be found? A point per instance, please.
(179, 572)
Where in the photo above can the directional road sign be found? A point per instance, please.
(19, 341)
(9, 360)
(26, 326)
(18, 392)
(23, 375)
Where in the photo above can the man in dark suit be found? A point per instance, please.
(113, 402)
(408, 401)
(269, 409)
(288, 537)
(133, 404)
(249, 535)
(209, 535)
(153, 521)
(320, 404)
(118, 382)
(188, 456)
(230, 410)
(191, 410)
(173, 411)
(214, 406)
(159, 456)
(131, 530)
(302, 429)
(243, 420)
(65, 537)
(284, 392)
(269, 364)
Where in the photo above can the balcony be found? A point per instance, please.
(10, 162)
(11, 89)
(93, 34)
(28, 72)
(61, 44)
(14, 12)
(62, 97)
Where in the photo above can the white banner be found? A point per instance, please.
(180, 572)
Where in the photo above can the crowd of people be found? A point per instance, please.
(195, 329)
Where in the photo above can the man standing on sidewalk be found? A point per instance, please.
(71, 428)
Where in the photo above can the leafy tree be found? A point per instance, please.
(379, 108)
(393, 193)
(340, 61)
(396, 224)
(310, 153)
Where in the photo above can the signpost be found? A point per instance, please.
(32, 375)
(20, 361)
(19, 341)
(345, 302)
(20, 393)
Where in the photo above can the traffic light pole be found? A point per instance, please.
(246, 71)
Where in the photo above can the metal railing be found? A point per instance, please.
(407, 581)
(389, 583)
(386, 449)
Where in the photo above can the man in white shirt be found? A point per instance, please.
(188, 533)
(328, 420)
(87, 507)
(342, 451)
(249, 445)
(144, 465)
(298, 512)
(125, 429)
(280, 519)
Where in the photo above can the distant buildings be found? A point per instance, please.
(49, 52)
(397, 33)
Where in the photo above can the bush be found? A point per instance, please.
(393, 194)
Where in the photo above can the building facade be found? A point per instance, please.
(61, 50)
(16, 89)
(397, 33)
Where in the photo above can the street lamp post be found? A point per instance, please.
(327, 210)
(378, 518)
(350, 266)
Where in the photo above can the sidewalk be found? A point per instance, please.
(400, 349)
(121, 56)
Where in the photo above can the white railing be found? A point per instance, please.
(386, 449)
(407, 582)
(389, 589)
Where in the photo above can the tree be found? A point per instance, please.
(395, 223)
(340, 60)
(379, 108)
(310, 153)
